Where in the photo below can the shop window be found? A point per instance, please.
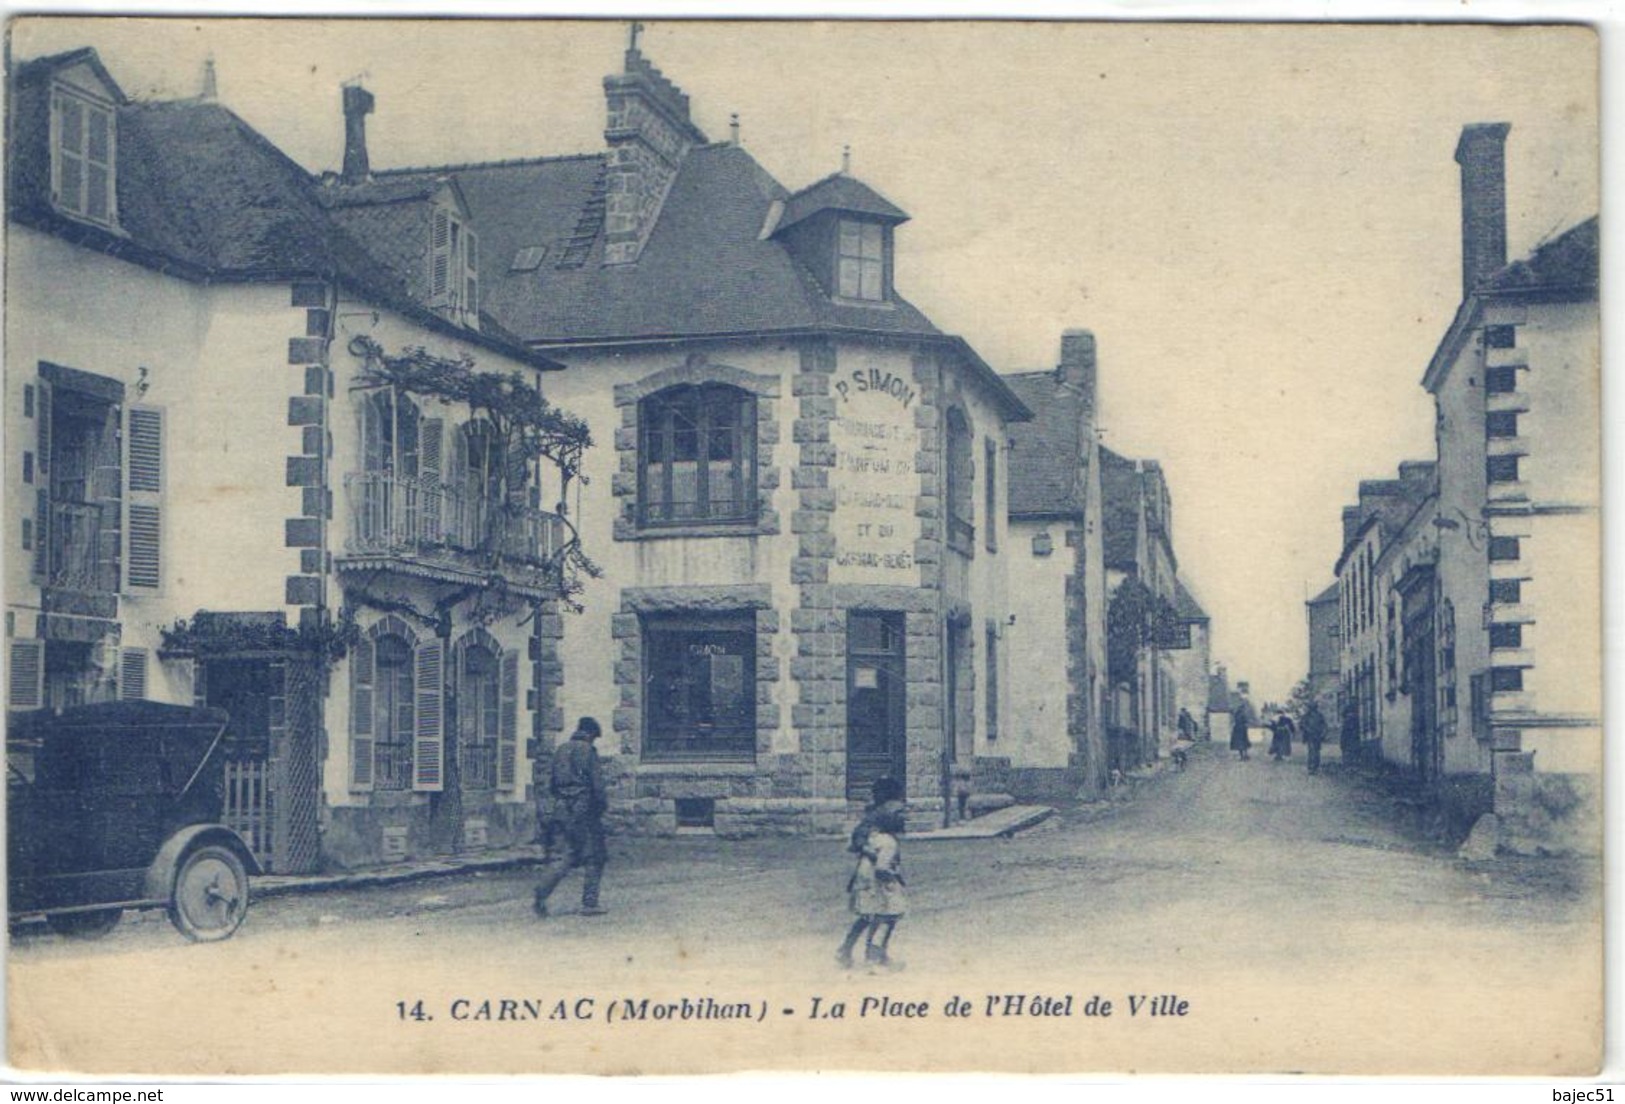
(700, 687)
(698, 456)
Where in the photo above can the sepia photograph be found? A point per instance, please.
(651, 547)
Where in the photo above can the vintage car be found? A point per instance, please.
(118, 806)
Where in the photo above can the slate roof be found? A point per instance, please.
(705, 270)
(204, 196)
(1567, 262)
(1120, 492)
(1186, 607)
(838, 192)
(1327, 595)
(1048, 460)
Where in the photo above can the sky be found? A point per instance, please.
(1260, 223)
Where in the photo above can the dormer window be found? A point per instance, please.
(454, 259)
(861, 260)
(83, 144)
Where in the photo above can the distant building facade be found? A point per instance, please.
(1057, 583)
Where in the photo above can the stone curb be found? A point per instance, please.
(282, 885)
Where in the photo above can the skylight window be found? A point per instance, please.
(529, 259)
(861, 260)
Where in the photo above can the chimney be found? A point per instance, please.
(210, 90)
(1481, 153)
(733, 129)
(357, 106)
(1077, 367)
(649, 132)
(1352, 516)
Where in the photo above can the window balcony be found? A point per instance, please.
(424, 526)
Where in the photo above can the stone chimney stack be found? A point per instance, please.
(1481, 153)
(1077, 369)
(1352, 517)
(358, 103)
(649, 133)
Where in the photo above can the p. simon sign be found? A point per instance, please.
(874, 480)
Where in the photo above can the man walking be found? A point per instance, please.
(1314, 734)
(576, 783)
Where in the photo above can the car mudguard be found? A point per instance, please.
(161, 873)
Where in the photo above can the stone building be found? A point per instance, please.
(1515, 383)
(219, 500)
(799, 499)
(1321, 613)
(1141, 584)
(1190, 650)
(1057, 585)
(1369, 611)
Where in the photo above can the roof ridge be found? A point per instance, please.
(503, 163)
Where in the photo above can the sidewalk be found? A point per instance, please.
(1001, 823)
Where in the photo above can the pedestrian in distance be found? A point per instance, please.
(1314, 735)
(1187, 725)
(875, 889)
(1240, 741)
(576, 785)
(1281, 732)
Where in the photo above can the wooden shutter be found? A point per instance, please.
(361, 712)
(132, 674)
(25, 676)
(440, 256)
(431, 451)
(42, 497)
(471, 298)
(429, 741)
(508, 725)
(143, 560)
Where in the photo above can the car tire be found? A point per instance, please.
(210, 895)
(84, 925)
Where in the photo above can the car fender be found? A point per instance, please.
(161, 874)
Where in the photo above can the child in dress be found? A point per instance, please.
(876, 887)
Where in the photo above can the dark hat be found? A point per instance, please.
(588, 727)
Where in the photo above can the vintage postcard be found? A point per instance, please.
(543, 546)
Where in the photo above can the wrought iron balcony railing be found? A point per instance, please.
(425, 519)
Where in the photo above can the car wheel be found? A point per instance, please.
(211, 894)
(84, 925)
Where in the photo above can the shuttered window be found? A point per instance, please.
(42, 497)
(132, 674)
(144, 468)
(361, 715)
(25, 685)
(428, 755)
(439, 256)
(83, 144)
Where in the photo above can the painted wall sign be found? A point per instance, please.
(874, 480)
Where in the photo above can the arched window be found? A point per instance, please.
(961, 477)
(697, 455)
(479, 704)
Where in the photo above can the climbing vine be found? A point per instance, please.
(525, 427)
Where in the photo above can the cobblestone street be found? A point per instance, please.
(1287, 908)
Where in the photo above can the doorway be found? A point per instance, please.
(244, 689)
(876, 702)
